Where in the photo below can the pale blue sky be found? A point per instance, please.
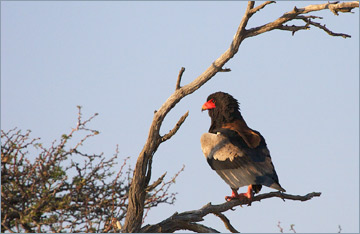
(121, 59)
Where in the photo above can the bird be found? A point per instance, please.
(237, 153)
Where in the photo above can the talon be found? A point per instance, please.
(229, 198)
(244, 197)
(234, 195)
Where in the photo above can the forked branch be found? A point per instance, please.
(279, 23)
(322, 27)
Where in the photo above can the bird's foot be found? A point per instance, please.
(243, 197)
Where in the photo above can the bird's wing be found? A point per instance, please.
(239, 166)
(251, 138)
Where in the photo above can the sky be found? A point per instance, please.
(121, 60)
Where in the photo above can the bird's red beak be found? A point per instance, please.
(208, 105)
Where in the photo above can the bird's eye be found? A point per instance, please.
(212, 100)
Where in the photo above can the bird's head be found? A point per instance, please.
(222, 107)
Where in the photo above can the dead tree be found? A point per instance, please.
(142, 172)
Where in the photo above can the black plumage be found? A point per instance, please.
(236, 152)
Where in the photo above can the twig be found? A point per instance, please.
(179, 78)
(304, 17)
(176, 128)
(225, 70)
(154, 199)
(156, 183)
(340, 229)
(323, 27)
(292, 228)
(280, 228)
(258, 8)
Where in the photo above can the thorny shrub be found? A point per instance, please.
(63, 189)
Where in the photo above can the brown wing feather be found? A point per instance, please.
(251, 138)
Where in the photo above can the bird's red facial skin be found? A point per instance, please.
(208, 105)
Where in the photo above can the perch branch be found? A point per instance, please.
(171, 224)
(287, 196)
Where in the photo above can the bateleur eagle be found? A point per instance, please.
(236, 152)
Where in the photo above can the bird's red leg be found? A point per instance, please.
(248, 195)
(234, 195)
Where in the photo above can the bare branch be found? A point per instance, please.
(340, 229)
(171, 224)
(176, 128)
(278, 23)
(179, 78)
(342, 7)
(280, 228)
(303, 17)
(167, 226)
(292, 228)
(332, 6)
(156, 183)
(199, 228)
(323, 27)
(195, 227)
(287, 196)
(226, 222)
